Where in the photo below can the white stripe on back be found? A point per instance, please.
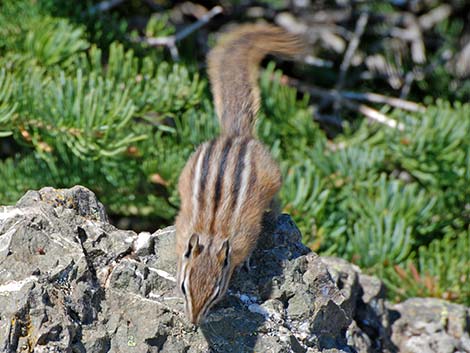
(196, 184)
(241, 197)
(212, 173)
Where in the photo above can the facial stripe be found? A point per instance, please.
(189, 299)
(218, 183)
(183, 287)
(213, 298)
(185, 284)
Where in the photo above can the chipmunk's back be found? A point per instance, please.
(231, 181)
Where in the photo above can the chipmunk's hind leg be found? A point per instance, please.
(268, 225)
(271, 215)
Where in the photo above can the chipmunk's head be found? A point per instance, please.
(204, 275)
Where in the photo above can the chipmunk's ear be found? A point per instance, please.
(223, 254)
(194, 248)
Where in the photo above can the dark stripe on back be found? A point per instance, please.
(220, 178)
(253, 176)
(205, 172)
(238, 171)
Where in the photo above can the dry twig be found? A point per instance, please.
(315, 61)
(170, 41)
(405, 89)
(436, 15)
(378, 65)
(373, 114)
(352, 47)
(104, 6)
(462, 62)
(346, 99)
(412, 33)
(379, 98)
(328, 119)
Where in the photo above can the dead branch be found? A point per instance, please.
(412, 33)
(192, 9)
(373, 114)
(314, 61)
(378, 65)
(170, 41)
(349, 95)
(379, 98)
(352, 47)
(330, 34)
(199, 23)
(436, 15)
(104, 6)
(334, 120)
(346, 99)
(405, 89)
(462, 62)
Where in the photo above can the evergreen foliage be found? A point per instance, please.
(85, 106)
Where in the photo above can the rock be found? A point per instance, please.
(71, 282)
(431, 325)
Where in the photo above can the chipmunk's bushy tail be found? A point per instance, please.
(233, 72)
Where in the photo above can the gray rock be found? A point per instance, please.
(71, 282)
(431, 325)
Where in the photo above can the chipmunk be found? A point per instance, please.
(228, 182)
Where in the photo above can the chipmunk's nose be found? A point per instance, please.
(195, 320)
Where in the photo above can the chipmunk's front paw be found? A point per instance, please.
(247, 264)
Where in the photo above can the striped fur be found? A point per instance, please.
(228, 182)
(231, 181)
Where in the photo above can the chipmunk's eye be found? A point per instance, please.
(189, 249)
(188, 252)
